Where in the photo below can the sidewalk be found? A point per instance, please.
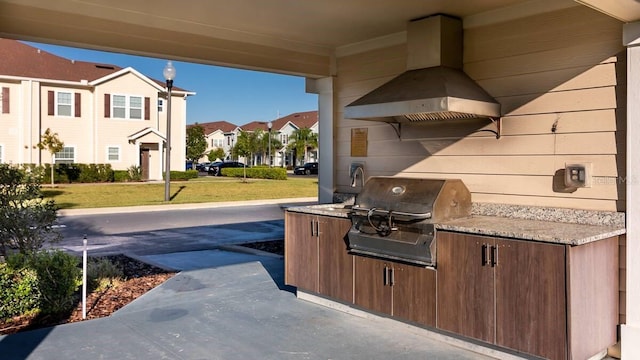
(226, 305)
(130, 209)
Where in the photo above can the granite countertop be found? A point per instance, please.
(535, 224)
(334, 210)
(535, 230)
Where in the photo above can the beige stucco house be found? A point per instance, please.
(566, 74)
(104, 114)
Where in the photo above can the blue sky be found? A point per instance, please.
(233, 95)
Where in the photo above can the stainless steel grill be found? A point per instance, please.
(394, 217)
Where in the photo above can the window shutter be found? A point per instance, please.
(5, 100)
(147, 108)
(77, 105)
(52, 103)
(107, 105)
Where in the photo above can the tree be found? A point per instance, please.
(217, 153)
(53, 144)
(303, 140)
(245, 146)
(248, 144)
(26, 219)
(196, 143)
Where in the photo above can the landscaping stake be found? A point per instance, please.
(84, 278)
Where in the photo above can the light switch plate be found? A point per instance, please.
(578, 175)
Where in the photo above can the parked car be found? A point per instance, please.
(215, 169)
(203, 166)
(306, 169)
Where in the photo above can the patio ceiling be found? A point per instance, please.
(288, 36)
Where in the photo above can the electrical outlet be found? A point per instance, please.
(578, 175)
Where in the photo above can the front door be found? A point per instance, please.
(144, 163)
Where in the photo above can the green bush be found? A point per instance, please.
(257, 173)
(183, 175)
(92, 173)
(121, 175)
(135, 173)
(101, 272)
(58, 277)
(80, 173)
(18, 291)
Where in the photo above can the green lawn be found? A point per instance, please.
(204, 189)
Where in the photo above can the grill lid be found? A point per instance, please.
(414, 198)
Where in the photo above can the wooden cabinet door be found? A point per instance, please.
(301, 251)
(465, 299)
(335, 278)
(414, 294)
(372, 290)
(531, 298)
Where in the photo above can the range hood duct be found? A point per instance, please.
(434, 87)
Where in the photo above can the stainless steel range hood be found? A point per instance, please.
(434, 87)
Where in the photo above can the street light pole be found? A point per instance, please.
(269, 125)
(169, 73)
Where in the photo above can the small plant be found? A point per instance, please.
(135, 173)
(103, 274)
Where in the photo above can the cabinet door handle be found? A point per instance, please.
(485, 258)
(392, 277)
(385, 276)
(312, 228)
(494, 256)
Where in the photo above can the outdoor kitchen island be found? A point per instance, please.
(542, 288)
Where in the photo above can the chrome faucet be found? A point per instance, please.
(354, 174)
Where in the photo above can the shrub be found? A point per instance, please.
(257, 173)
(58, 277)
(135, 173)
(121, 175)
(18, 291)
(183, 175)
(26, 219)
(102, 273)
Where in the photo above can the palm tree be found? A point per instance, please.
(303, 139)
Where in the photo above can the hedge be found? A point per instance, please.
(183, 175)
(97, 173)
(256, 173)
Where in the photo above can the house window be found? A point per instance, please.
(160, 105)
(135, 107)
(66, 156)
(113, 153)
(126, 107)
(218, 143)
(64, 104)
(284, 139)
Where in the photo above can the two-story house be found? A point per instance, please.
(104, 114)
(222, 134)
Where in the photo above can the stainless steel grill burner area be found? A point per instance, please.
(394, 217)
